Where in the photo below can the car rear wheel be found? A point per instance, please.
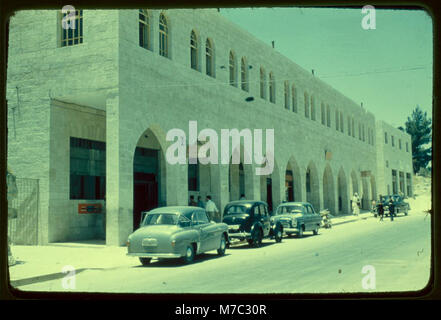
(223, 246)
(278, 234)
(315, 231)
(145, 261)
(189, 254)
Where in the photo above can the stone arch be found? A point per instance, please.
(365, 194)
(293, 181)
(328, 190)
(240, 174)
(149, 173)
(270, 187)
(342, 193)
(354, 184)
(373, 188)
(312, 186)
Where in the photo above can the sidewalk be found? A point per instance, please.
(42, 263)
(364, 214)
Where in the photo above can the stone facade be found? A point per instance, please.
(111, 89)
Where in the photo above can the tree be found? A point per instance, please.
(420, 129)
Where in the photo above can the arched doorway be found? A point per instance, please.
(328, 190)
(240, 176)
(373, 188)
(148, 176)
(365, 197)
(343, 201)
(293, 181)
(199, 176)
(312, 186)
(270, 188)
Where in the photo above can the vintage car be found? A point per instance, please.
(400, 205)
(250, 220)
(176, 232)
(296, 218)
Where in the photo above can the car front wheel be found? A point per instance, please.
(145, 261)
(223, 246)
(256, 240)
(300, 234)
(189, 254)
(315, 231)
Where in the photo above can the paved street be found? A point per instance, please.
(332, 261)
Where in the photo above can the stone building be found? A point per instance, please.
(89, 110)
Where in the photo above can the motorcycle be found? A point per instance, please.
(326, 219)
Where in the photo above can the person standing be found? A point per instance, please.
(391, 209)
(200, 203)
(212, 210)
(192, 203)
(242, 197)
(355, 204)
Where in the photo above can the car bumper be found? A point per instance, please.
(239, 236)
(290, 230)
(155, 255)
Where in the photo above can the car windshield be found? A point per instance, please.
(161, 219)
(238, 209)
(290, 209)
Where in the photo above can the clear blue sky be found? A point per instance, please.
(389, 69)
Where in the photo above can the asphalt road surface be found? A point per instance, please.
(362, 256)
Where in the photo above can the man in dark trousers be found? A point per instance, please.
(391, 209)
(380, 208)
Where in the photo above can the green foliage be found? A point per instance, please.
(420, 129)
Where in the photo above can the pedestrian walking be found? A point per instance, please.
(212, 210)
(380, 209)
(391, 209)
(200, 203)
(242, 197)
(356, 204)
(192, 203)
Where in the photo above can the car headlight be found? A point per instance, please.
(173, 243)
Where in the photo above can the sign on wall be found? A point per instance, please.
(89, 208)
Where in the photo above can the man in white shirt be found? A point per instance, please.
(212, 210)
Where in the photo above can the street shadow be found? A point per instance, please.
(47, 277)
(173, 263)
(245, 245)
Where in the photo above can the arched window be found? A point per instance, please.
(353, 128)
(349, 126)
(294, 98)
(244, 74)
(209, 58)
(287, 95)
(262, 83)
(337, 120)
(312, 108)
(144, 29)
(232, 67)
(323, 114)
(272, 87)
(70, 37)
(306, 105)
(328, 116)
(194, 51)
(163, 37)
(341, 122)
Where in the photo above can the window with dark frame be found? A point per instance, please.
(87, 169)
(70, 37)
